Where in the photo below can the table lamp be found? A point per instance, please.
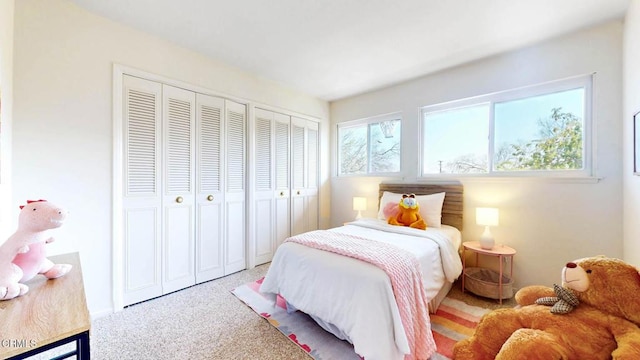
(487, 217)
(359, 204)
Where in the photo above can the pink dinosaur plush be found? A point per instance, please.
(23, 256)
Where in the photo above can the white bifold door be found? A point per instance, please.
(304, 170)
(285, 188)
(183, 188)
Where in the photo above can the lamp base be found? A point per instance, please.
(486, 240)
(487, 244)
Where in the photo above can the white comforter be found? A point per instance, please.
(355, 296)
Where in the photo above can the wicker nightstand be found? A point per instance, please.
(500, 251)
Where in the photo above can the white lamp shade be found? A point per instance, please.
(487, 216)
(359, 203)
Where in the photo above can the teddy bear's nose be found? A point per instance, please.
(571, 265)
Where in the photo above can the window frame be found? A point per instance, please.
(367, 122)
(547, 88)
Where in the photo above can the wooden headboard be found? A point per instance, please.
(452, 207)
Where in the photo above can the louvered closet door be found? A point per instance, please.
(311, 191)
(179, 190)
(304, 155)
(263, 200)
(142, 200)
(236, 144)
(298, 223)
(282, 177)
(209, 185)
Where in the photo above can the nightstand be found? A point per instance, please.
(499, 251)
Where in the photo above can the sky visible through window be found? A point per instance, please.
(454, 133)
(518, 119)
(464, 132)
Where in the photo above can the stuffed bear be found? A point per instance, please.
(23, 256)
(408, 213)
(595, 314)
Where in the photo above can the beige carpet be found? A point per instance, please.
(202, 322)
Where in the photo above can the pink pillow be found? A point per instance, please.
(390, 210)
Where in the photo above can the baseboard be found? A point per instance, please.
(102, 313)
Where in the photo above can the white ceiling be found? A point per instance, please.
(337, 48)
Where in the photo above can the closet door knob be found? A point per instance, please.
(281, 193)
(210, 197)
(179, 199)
(298, 192)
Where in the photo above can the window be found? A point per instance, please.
(542, 130)
(369, 146)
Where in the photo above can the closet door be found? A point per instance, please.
(304, 157)
(263, 199)
(209, 185)
(272, 216)
(234, 197)
(179, 190)
(141, 198)
(298, 162)
(313, 161)
(282, 177)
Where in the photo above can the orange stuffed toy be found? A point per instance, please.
(594, 315)
(408, 213)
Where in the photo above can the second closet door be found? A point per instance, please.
(178, 199)
(271, 208)
(304, 179)
(209, 184)
(235, 160)
(220, 198)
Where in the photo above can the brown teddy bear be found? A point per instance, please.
(594, 315)
(408, 213)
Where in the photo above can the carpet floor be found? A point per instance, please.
(205, 321)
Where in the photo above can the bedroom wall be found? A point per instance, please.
(548, 222)
(631, 106)
(63, 119)
(6, 114)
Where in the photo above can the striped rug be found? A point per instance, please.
(453, 321)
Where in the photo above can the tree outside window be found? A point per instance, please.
(543, 134)
(369, 147)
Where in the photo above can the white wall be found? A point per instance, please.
(62, 135)
(6, 115)
(547, 222)
(631, 106)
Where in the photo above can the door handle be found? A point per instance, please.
(210, 197)
(179, 199)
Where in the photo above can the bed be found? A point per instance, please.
(354, 299)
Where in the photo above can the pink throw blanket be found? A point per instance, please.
(403, 270)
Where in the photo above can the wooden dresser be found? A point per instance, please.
(51, 314)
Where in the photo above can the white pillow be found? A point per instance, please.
(430, 206)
